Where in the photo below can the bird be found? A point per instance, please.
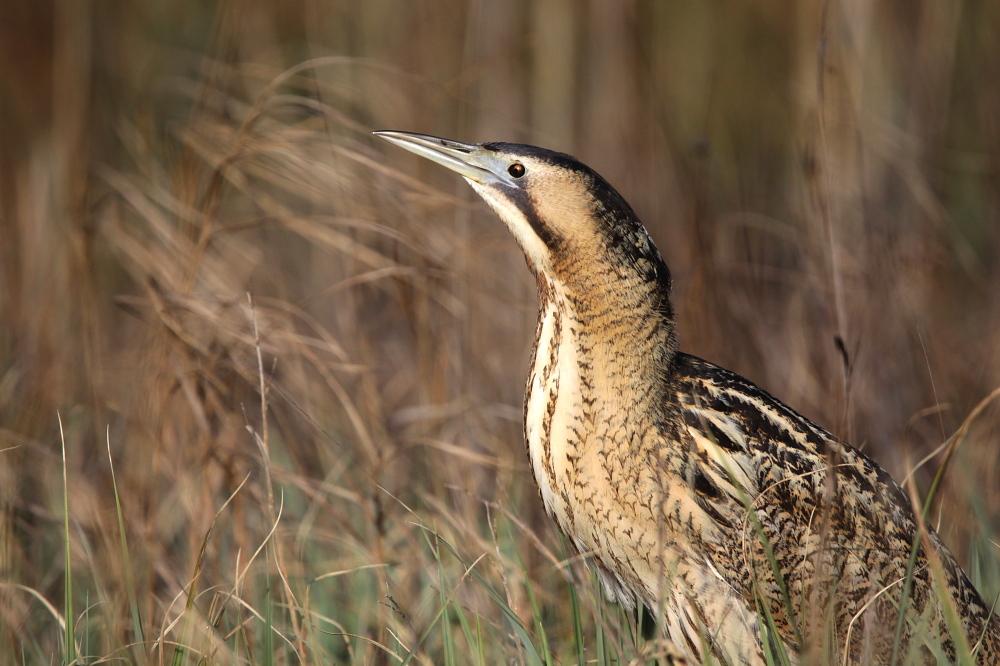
(744, 528)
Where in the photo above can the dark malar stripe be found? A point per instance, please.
(528, 208)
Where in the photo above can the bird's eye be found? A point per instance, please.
(516, 169)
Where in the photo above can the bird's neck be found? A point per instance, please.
(619, 318)
(600, 377)
(602, 341)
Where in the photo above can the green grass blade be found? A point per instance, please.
(69, 650)
(447, 640)
(480, 644)
(602, 650)
(536, 613)
(126, 561)
(904, 599)
(578, 643)
(267, 644)
(470, 637)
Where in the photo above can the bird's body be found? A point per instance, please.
(693, 491)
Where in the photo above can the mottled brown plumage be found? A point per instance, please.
(692, 490)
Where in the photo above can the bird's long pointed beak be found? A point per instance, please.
(469, 160)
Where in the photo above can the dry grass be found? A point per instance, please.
(156, 173)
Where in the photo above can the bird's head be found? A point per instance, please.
(570, 223)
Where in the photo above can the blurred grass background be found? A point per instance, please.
(822, 177)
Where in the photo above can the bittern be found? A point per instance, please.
(741, 525)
